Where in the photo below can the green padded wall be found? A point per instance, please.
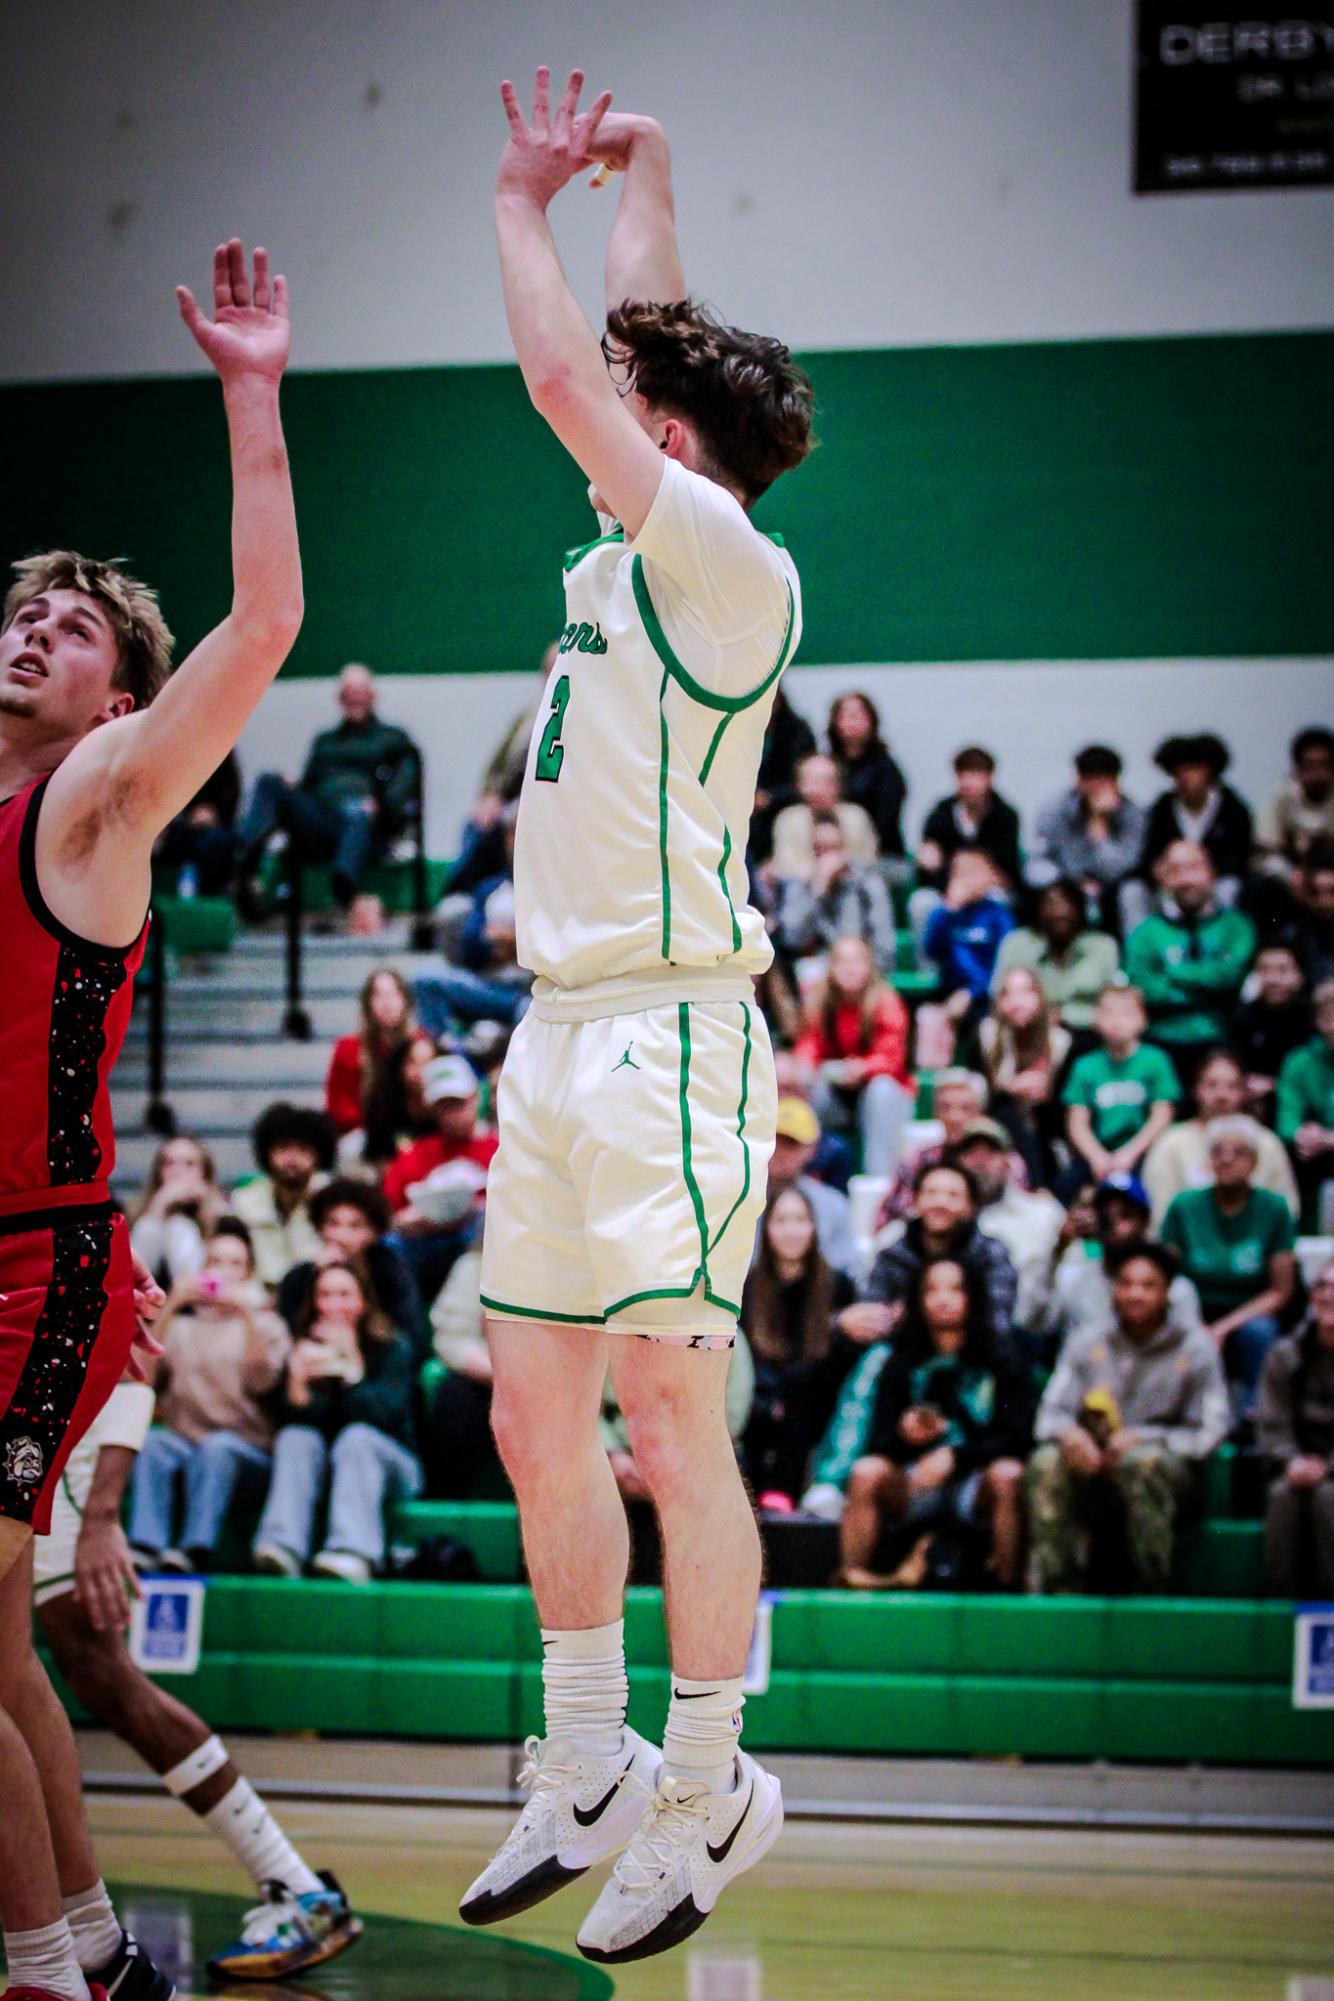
(1083, 500)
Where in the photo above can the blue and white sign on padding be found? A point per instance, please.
(167, 1625)
(1313, 1658)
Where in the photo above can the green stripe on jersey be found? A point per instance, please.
(573, 556)
(728, 704)
(664, 863)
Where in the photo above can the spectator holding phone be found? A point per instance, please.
(178, 1210)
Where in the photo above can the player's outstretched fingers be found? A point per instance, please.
(188, 307)
(222, 278)
(569, 105)
(262, 294)
(279, 296)
(542, 99)
(589, 124)
(509, 97)
(236, 266)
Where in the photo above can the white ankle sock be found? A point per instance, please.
(242, 1820)
(583, 1679)
(703, 1726)
(46, 1958)
(94, 1926)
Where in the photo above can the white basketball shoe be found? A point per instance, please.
(688, 1847)
(580, 1811)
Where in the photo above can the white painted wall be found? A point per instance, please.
(857, 172)
(1034, 716)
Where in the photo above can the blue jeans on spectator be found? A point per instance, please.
(1245, 1350)
(346, 835)
(443, 999)
(365, 1469)
(210, 1472)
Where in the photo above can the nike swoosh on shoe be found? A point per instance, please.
(724, 1849)
(595, 1813)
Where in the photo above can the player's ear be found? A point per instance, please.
(677, 441)
(120, 703)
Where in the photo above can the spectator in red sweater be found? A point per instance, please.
(854, 1049)
(435, 1188)
(386, 1024)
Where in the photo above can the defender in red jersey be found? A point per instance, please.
(98, 751)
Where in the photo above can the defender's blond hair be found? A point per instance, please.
(143, 640)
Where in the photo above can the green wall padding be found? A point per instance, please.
(1082, 500)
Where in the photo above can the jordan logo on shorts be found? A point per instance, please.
(627, 1061)
(23, 1462)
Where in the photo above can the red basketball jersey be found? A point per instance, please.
(64, 1009)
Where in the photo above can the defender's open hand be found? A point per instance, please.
(247, 335)
(542, 156)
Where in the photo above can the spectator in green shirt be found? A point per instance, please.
(1073, 962)
(353, 798)
(1190, 957)
(1121, 1095)
(1305, 1111)
(1236, 1243)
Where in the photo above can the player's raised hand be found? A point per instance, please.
(249, 333)
(546, 152)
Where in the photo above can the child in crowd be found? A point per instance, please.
(1121, 1095)
(963, 936)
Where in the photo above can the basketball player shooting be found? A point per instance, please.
(98, 751)
(637, 1104)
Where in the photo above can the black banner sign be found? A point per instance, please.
(1228, 96)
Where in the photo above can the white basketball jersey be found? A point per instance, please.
(630, 849)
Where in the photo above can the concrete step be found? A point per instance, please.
(281, 1067)
(271, 943)
(210, 1111)
(225, 1017)
(250, 978)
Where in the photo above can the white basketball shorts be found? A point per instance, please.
(123, 1420)
(634, 1154)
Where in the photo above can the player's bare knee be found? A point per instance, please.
(664, 1452)
(868, 1479)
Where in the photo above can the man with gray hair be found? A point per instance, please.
(354, 796)
(1235, 1242)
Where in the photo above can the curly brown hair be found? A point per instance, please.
(749, 403)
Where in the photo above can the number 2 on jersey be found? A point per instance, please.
(551, 751)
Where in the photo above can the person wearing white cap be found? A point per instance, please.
(435, 1187)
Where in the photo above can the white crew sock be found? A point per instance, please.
(583, 1680)
(242, 1820)
(94, 1926)
(703, 1726)
(46, 1958)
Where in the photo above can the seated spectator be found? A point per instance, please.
(1132, 1411)
(354, 797)
(223, 1354)
(353, 1218)
(963, 934)
(1179, 1157)
(294, 1147)
(435, 1188)
(1081, 1293)
(1024, 1054)
(1120, 1096)
(1200, 809)
(386, 1024)
(804, 1331)
(788, 739)
(178, 1210)
(1305, 1113)
(1235, 1242)
(1268, 1027)
(867, 773)
(345, 1424)
(958, 1098)
(1092, 835)
(841, 899)
(1310, 923)
(1027, 1224)
(1190, 957)
(485, 981)
(198, 847)
(1073, 962)
(457, 1446)
(483, 844)
(855, 1050)
(794, 829)
(945, 1453)
(1301, 812)
(946, 1202)
(1296, 1435)
(973, 816)
(397, 1115)
(796, 1141)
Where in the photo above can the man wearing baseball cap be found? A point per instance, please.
(1081, 1290)
(797, 1135)
(1028, 1224)
(429, 1243)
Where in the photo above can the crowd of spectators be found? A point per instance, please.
(1053, 1117)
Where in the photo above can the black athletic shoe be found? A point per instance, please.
(130, 1975)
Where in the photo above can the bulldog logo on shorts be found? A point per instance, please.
(23, 1464)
